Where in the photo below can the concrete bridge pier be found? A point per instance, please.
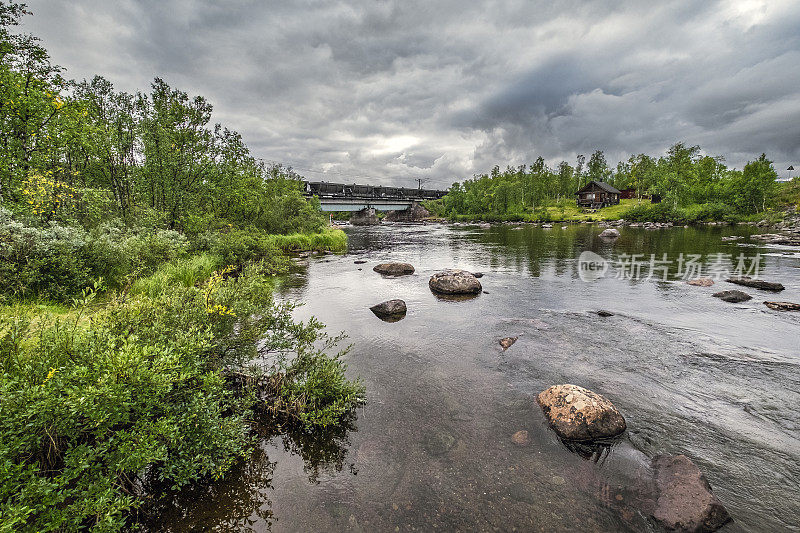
(365, 217)
(413, 213)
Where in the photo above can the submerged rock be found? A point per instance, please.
(701, 282)
(455, 282)
(507, 342)
(734, 297)
(394, 269)
(757, 284)
(390, 309)
(478, 274)
(521, 438)
(359, 262)
(783, 306)
(685, 501)
(604, 313)
(579, 414)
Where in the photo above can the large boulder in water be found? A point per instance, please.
(455, 282)
(757, 284)
(579, 414)
(610, 233)
(684, 499)
(733, 297)
(394, 269)
(390, 309)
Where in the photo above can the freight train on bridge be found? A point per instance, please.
(324, 189)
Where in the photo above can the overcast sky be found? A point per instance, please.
(387, 91)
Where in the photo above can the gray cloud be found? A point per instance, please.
(385, 91)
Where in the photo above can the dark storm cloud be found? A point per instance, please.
(390, 90)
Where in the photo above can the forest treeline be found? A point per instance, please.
(688, 182)
(138, 248)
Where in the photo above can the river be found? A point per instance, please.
(432, 450)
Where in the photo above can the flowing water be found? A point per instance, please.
(432, 448)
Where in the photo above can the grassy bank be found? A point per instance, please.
(631, 210)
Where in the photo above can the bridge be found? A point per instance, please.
(342, 197)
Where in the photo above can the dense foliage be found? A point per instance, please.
(683, 177)
(154, 390)
(158, 235)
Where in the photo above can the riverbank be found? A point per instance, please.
(115, 395)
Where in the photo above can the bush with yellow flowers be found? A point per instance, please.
(45, 195)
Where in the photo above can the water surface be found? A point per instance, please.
(432, 448)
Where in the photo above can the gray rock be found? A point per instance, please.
(394, 269)
(757, 284)
(578, 414)
(734, 297)
(685, 501)
(359, 262)
(390, 309)
(454, 282)
(610, 233)
(604, 313)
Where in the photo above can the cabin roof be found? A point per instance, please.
(602, 184)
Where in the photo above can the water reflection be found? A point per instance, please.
(434, 445)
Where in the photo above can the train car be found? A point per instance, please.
(362, 191)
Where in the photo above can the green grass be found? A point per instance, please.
(184, 272)
(334, 240)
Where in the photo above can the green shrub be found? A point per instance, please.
(151, 392)
(662, 212)
(45, 262)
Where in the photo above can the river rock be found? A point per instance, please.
(579, 414)
(390, 309)
(734, 297)
(478, 274)
(783, 306)
(359, 262)
(507, 342)
(757, 284)
(610, 233)
(454, 282)
(394, 269)
(701, 282)
(604, 313)
(685, 501)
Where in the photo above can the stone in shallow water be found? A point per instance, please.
(454, 282)
(507, 342)
(391, 309)
(701, 282)
(394, 269)
(734, 297)
(604, 313)
(685, 501)
(783, 306)
(438, 443)
(579, 414)
(521, 438)
(757, 284)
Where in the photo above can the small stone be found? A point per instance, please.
(478, 274)
(394, 269)
(757, 284)
(783, 306)
(603, 312)
(732, 296)
(507, 342)
(520, 438)
(701, 282)
(359, 262)
(557, 480)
